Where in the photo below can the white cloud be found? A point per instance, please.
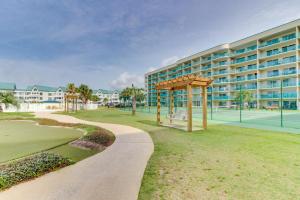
(169, 60)
(126, 79)
(150, 69)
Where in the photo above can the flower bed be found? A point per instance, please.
(30, 167)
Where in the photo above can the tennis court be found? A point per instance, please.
(272, 118)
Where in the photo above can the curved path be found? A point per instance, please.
(114, 174)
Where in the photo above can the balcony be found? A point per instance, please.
(245, 50)
(206, 60)
(249, 87)
(220, 55)
(220, 89)
(221, 98)
(285, 95)
(278, 62)
(220, 73)
(246, 69)
(222, 64)
(206, 67)
(196, 63)
(278, 85)
(220, 81)
(284, 73)
(277, 41)
(266, 55)
(243, 79)
(186, 66)
(243, 60)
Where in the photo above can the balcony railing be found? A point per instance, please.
(277, 95)
(276, 41)
(243, 60)
(245, 50)
(206, 67)
(278, 63)
(220, 64)
(222, 55)
(220, 81)
(220, 72)
(265, 55)
(245, 69)
(221, 98)
(278, 85)
(243, 79)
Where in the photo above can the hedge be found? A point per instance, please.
(30, 167)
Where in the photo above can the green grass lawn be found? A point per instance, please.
(224, 162)
(22, 138)
(15, 115)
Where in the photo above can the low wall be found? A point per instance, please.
(43, 107)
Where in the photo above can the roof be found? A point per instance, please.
(106, 91)
(244, 41)
(45, 88)
(182, 82)
(7, 86)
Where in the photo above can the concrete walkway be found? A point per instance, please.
(114, 174)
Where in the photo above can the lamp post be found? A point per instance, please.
(133, 100)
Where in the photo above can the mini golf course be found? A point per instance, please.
(22, 138)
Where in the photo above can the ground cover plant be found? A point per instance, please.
(30, 167)
(224, 162)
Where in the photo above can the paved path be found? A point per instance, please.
(114, 174)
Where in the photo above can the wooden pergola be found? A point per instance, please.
(185, 82)
(71, 98)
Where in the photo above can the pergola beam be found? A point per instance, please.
(180, 83)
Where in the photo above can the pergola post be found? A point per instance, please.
(189, 108)
(158, 108)
(204, 107)
(171, 105)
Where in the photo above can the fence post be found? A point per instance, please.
(241, 101)
(211, 106)
(281, 105)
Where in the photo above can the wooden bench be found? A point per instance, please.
(179, 115)
(274, 107)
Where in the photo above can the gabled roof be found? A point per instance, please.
(7, 86)
(106, 91)
(45, 88)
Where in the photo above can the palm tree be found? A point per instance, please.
(8, 98)
(135, 94)
(245, 96)
(85, 93)
(71, 90)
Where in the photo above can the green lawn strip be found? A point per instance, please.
(224, 162)
(15, 115)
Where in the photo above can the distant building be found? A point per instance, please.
(112, 96)
(7, 87)
(260, 64)
(41, 94)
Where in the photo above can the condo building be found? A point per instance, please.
(263, 64)
(107, 96)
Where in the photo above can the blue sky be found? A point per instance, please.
(110, 44)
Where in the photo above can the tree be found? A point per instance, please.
(133, 94)
(95, 98)
(85, 93)
(246, 95)
(71, 88)
(8, 98)
(105, 100)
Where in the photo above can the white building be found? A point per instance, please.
(107, 96)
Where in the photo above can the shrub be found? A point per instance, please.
(100, 136)
(30, 167)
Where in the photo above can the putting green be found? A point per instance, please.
(22, 138)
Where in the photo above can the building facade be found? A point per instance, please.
(107, 96)
(258, 64)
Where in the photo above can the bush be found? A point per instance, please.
(30, 167)
(100, 136)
